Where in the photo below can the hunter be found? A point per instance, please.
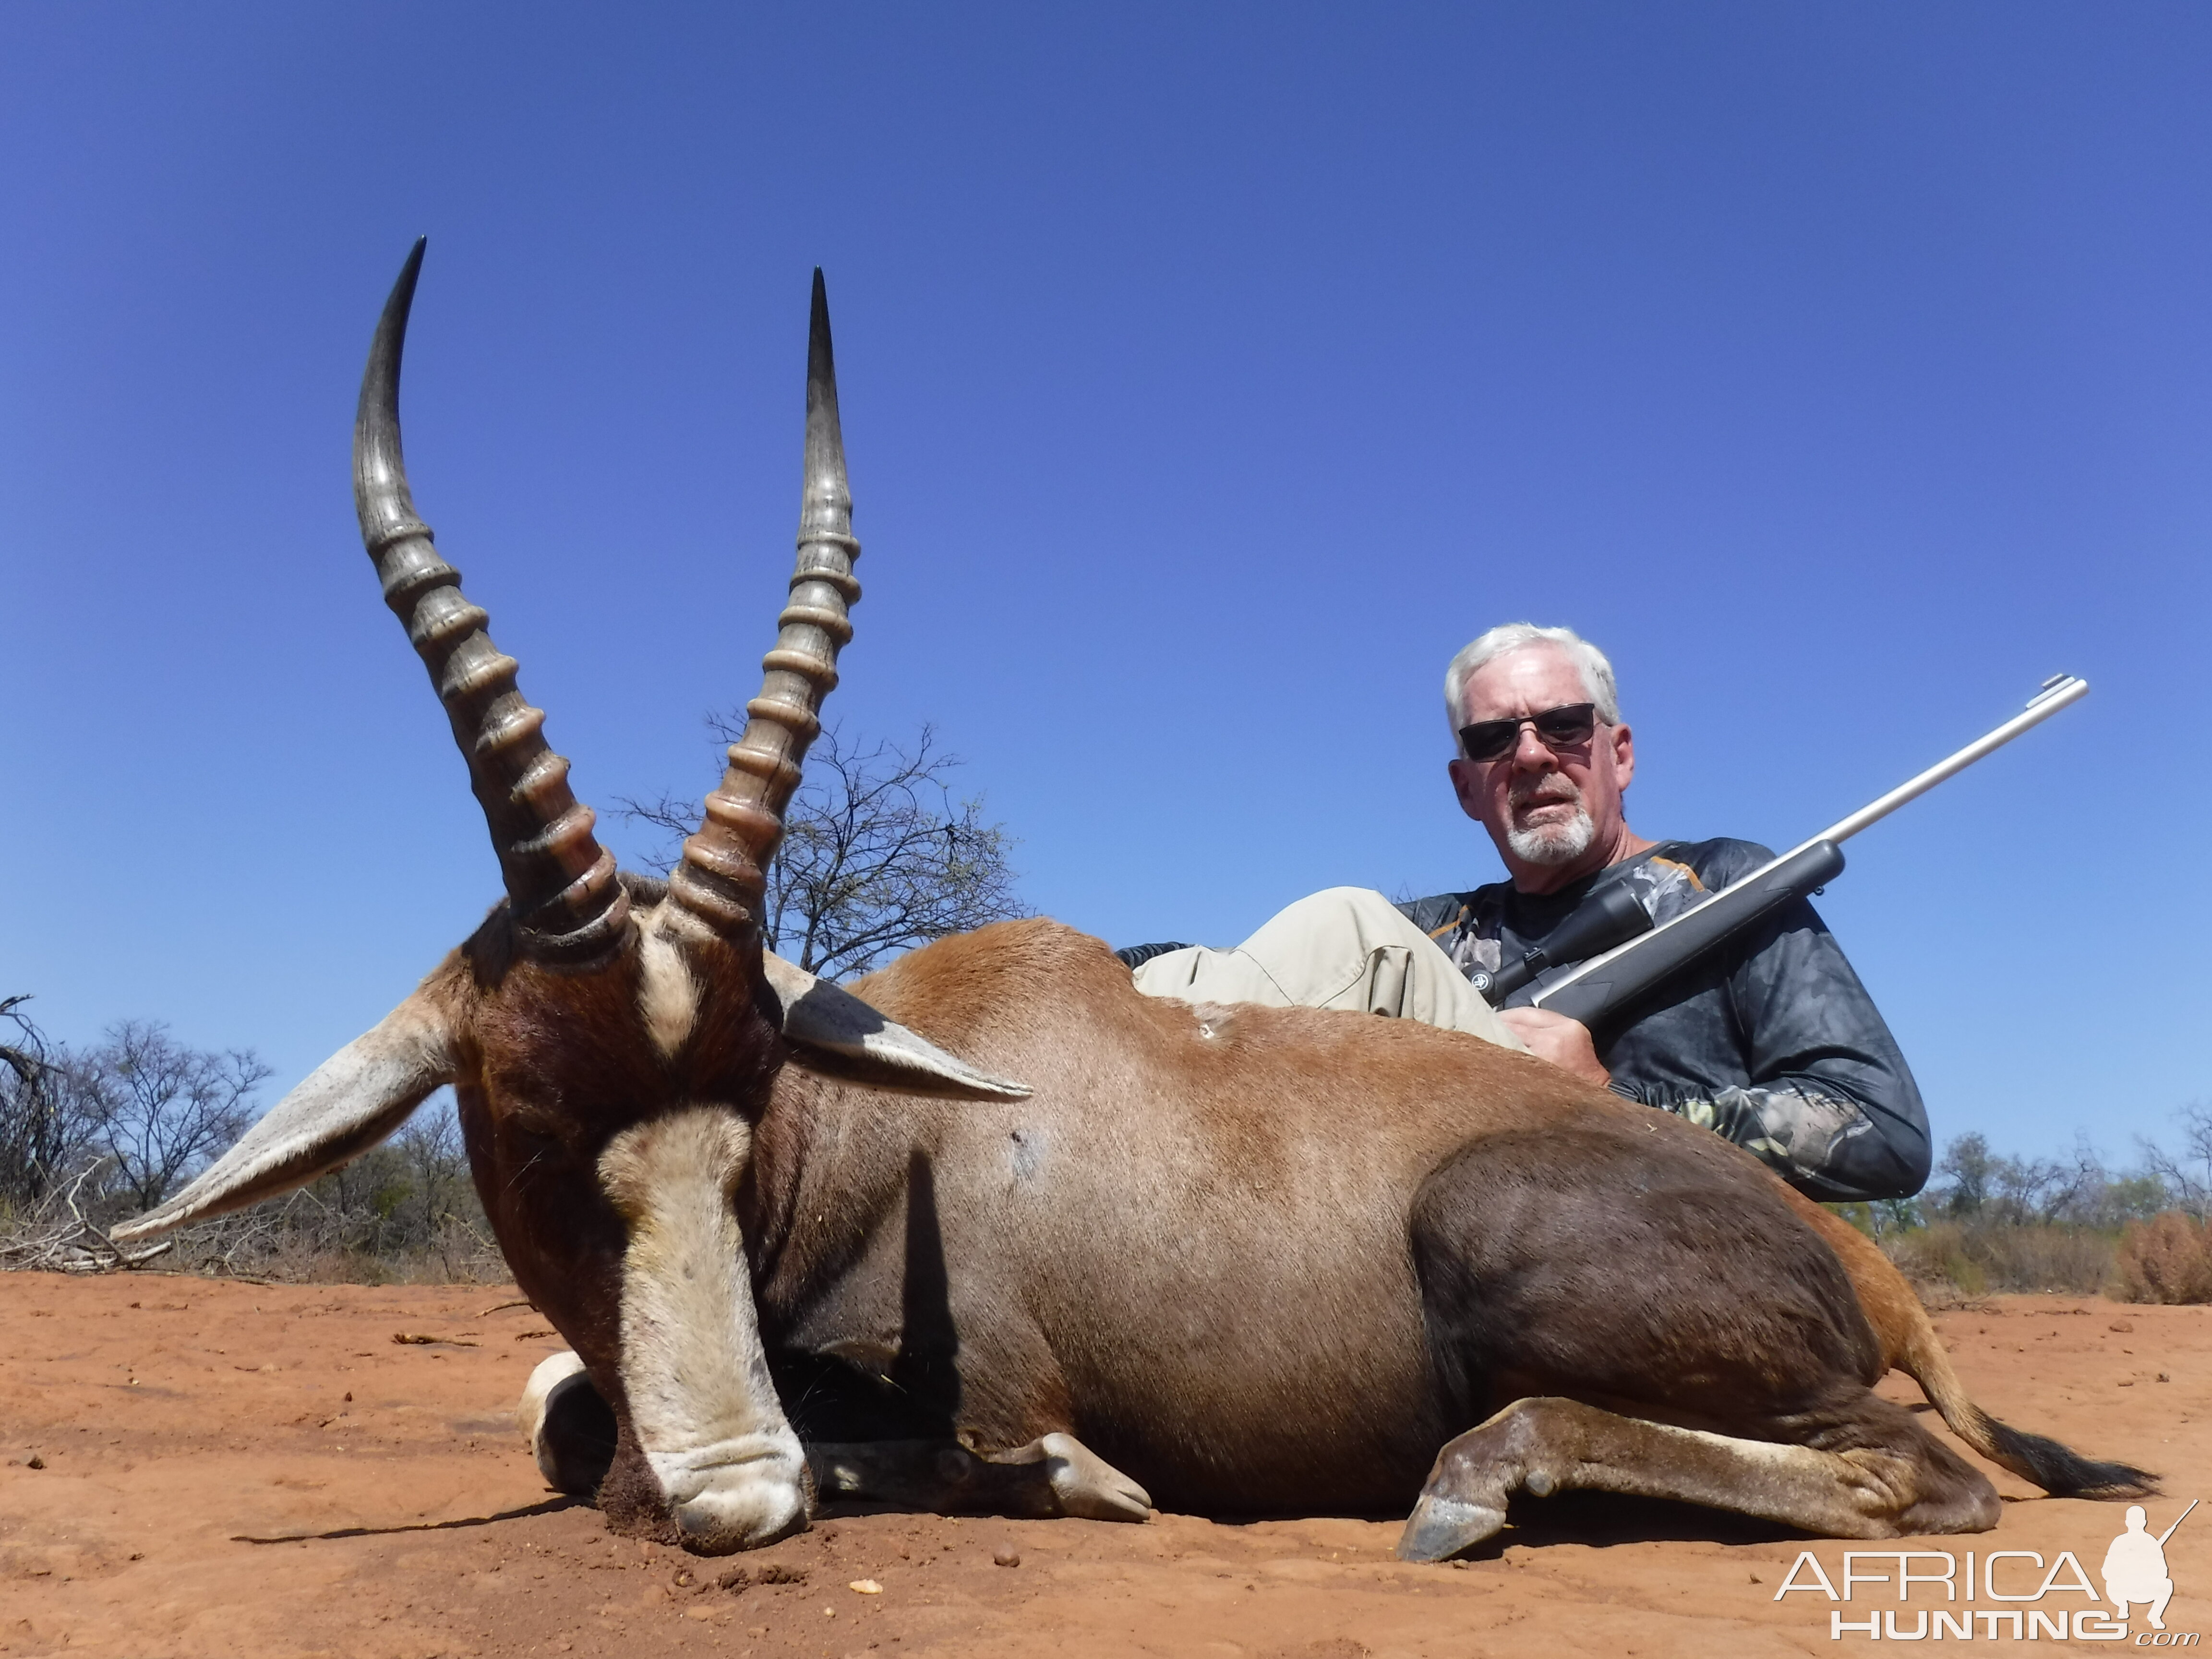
(1770, 1041)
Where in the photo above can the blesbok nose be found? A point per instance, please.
(733, 1494)
(739, 1506)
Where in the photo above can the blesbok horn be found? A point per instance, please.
(723, 872)
(568, 908)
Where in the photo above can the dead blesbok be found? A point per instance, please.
(1256, 1260)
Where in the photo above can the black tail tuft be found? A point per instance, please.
(2065, 1473)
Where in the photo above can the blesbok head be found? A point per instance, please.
(611, 1040)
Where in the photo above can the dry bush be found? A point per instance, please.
(878, 856)
(91, 1137)
(1958, 1258)
(2167, 1259)
(299, 1241)
(300, 1238)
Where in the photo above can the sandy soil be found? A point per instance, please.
(230, 1469)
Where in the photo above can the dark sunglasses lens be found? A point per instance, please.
(1570, 726)
(1489, 740)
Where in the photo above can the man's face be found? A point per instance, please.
(1550, 812)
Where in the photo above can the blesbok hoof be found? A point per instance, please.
(569, 1428)
(1440, 1527)
(1088, 1487)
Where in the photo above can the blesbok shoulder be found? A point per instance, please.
(807, 1242)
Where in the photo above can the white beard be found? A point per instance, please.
(1552, 844)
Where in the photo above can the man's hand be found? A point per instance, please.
(1565, 1042)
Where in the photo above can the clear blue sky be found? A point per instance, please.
(1210, 374)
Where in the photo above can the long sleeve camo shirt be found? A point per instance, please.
(1770, 1041)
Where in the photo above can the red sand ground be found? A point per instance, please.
(231, 1469)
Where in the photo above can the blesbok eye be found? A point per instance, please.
(535, 1140)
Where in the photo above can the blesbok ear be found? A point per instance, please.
(831, 1021)
(346, 1105)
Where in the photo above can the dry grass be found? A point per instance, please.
(292, 1241)
(1950, 1259)
(2167, 1259)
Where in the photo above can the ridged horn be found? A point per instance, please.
(567, 906)
(722, 875)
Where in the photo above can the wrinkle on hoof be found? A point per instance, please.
(1440, 1527)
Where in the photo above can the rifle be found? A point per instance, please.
(1622, 955)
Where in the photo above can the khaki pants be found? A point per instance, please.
(1347, 947)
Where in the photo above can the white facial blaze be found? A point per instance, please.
(701, 1400)
(668, 995)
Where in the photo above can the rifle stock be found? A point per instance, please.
(1600, 922)
(1625, 972)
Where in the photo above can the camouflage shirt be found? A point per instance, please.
(1771, 1040)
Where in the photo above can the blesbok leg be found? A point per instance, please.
(1661, 1275)
(571, 1431)
(1056, 1474)
(1902, 1483)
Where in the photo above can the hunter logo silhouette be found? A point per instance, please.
(2134, 1566)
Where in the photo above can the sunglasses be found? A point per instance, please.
(1556, 728)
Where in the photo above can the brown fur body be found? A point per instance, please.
(1206, 1254)
(1256, 1260)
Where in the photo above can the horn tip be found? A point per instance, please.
(411, 267)
(402, 299)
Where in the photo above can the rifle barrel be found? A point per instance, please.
(2060, 691)
(1686, 937)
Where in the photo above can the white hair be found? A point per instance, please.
(1590, 663)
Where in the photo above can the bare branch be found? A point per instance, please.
(674, 814)
(160, 1108)
(878, 854)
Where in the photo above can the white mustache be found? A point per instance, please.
(1536, 795)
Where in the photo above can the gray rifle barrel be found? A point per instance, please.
(1605, 981)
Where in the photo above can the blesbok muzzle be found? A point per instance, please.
(701, 1405)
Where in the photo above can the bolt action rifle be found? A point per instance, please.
(1621, 955)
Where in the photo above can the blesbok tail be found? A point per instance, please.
(1909, 1343)
(2059, 1470)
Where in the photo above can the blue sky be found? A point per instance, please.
(1210, 374)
